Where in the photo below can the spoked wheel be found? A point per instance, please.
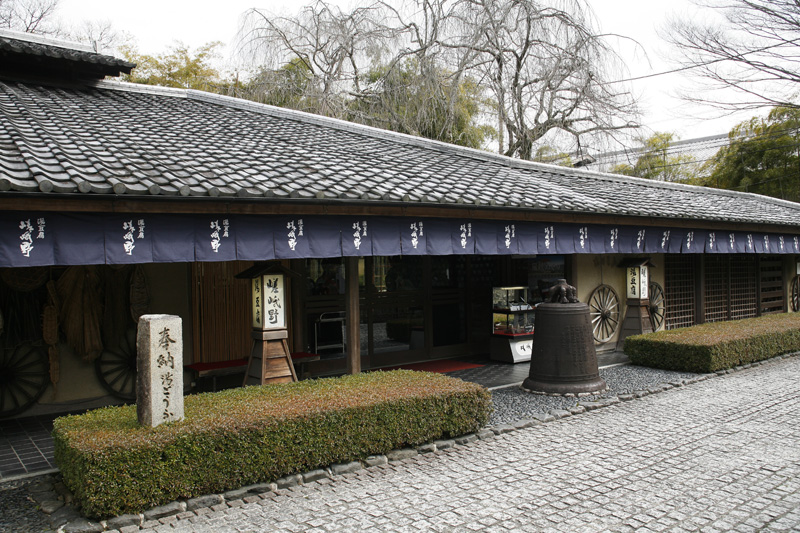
(796, 294)
(116, 368)
(24, 376)
(657, 306)
(604, 312)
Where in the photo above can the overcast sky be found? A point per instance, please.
(157, 24)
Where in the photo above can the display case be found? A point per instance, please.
(512, 314)
(512, 324)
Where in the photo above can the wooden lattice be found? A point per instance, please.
(679, 290)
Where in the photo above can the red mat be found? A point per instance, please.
(445, 365)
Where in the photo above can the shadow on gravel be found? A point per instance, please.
(17, 511)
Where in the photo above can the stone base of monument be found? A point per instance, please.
(564, 359)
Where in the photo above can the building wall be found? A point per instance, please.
(593, 270)
(171, 293)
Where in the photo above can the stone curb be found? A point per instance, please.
(51, 494)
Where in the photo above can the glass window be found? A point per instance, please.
(397, 328)
(448, 272)
(398, 273)
(449, 324)
(543, 272)
(325, 276)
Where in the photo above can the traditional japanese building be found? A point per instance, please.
(119, 199)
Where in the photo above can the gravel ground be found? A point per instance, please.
(512, 404)
(17, 511)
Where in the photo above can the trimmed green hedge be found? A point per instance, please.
(242, 436)
(716, 346)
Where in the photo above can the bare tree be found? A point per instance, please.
(38, 16)
(31, 16)
(423, 88)
(99, 34)
(755, 52)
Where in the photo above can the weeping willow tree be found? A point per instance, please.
(410, 100)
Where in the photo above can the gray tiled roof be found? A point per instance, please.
(123, 139)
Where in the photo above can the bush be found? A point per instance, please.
(241, 436)
(716, 346)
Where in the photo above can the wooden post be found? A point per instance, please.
(353, 316)
(297, 291)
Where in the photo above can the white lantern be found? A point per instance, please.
(269, 302)
(637, 281)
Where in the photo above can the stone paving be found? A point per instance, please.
(719, 455)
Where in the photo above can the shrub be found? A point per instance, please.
(716, 346)
(241, 436)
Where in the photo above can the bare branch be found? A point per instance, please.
(754, 55)
(31, 16)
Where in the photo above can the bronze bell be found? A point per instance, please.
(564, 358)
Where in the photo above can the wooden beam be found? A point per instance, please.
(245, 206)
(353, 316)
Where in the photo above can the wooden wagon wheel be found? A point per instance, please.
(24, 376)
(657, 306)
(796, 293)
(116, 367)
(604, 312)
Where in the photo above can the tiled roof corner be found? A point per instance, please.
(12, 35)
(26, 45)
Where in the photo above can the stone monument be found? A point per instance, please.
(159, 380)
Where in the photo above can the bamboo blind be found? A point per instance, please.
(221, 321)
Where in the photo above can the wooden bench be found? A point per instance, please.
(300, 360)
(236, 366)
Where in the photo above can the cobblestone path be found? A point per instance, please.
(719, 455)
